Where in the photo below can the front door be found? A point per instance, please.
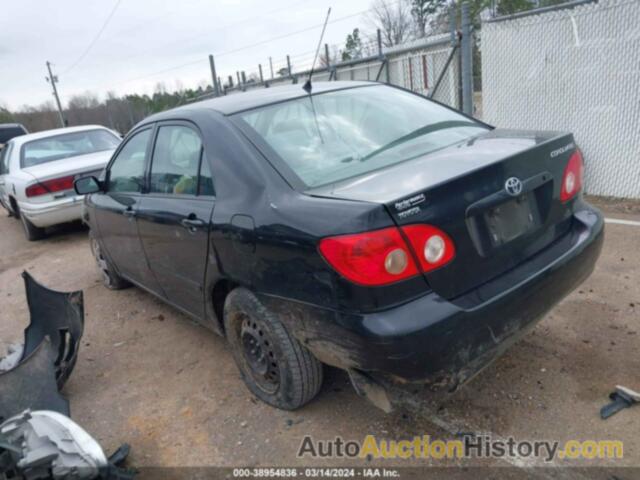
(116, 210)
(174, 215)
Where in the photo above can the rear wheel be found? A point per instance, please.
(110, 278)
(32, 232)
(273, 364)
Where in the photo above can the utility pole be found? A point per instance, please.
(214, 77)
(271, 66)
(289, 66)
(53, 79)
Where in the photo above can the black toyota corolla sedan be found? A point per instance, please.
(361, 226)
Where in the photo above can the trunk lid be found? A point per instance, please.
(89, 163)
(79, 166)
(461, 190)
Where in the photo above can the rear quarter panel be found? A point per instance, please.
(273, 249)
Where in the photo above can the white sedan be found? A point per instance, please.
(37, 172)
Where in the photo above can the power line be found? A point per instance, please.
(95, 39)
(246, 47)
(291, 34)
(208, 32)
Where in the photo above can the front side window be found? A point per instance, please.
(127, 170)
(176, 159)
(58, 147)
(331, 136)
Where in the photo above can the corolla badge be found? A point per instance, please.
(513, 186)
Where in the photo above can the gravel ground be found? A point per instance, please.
(149, 376)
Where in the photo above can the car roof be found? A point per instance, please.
(18, 141)
(258, 97)
(11, 125)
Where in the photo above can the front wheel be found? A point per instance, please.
(110, 278)
(273, 364)
(32, 232)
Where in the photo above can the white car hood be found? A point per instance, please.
(70, 166)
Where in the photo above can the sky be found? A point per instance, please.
(150, 41)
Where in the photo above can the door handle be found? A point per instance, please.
(129, 213)
(192, 223)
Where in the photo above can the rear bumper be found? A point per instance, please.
(444, 343)
(64, 210)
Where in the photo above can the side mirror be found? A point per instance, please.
(87, 185)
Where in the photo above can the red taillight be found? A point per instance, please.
(371, 258)
(50, 186)
(383, 256)
(572, 177)
(432, 246)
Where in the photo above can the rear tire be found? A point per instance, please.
(14, 211)
(277, 368)
(110, 278)
(32, 232)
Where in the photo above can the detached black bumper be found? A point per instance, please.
(31, 377)
(444, 343)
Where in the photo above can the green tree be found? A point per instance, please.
(508, 7)
(5, 116)
(352, 46)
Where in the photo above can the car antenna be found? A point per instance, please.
(307, 84)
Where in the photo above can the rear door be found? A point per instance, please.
(174, 215)
(116, 209)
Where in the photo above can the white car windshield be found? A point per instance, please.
(331, 136)
(57, 147)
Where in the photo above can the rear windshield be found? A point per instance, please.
(336, 135)
(7, 133)
(37, 152)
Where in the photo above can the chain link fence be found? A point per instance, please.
(418, 66)
(572, 69)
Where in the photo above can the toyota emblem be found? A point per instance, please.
(513, 186)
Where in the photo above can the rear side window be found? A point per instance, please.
(176, 160)
(57, 147)
(126, 173)
(206, 180)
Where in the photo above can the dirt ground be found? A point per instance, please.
(149, 376)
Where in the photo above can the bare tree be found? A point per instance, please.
(334, 57)
(425, 13)
(393, 19)
(42, 117)
(84, 109)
